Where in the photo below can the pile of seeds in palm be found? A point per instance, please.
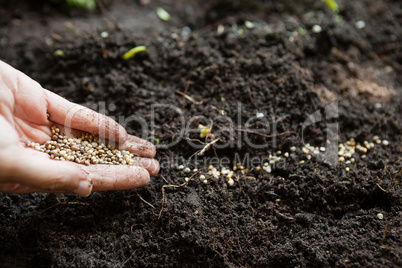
(87, 149)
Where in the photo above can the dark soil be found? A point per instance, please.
(300, 215)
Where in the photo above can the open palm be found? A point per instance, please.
(26, 113)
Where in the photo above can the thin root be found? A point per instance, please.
(149, 204)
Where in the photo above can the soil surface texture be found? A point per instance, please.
(262, 77)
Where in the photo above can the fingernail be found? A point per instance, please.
(84, 188)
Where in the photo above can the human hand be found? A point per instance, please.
(26, 113)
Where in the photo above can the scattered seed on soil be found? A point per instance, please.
(317, 28)
(360, 24)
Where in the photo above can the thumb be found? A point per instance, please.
(48, 175)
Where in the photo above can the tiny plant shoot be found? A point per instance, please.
(331, 4)
(132, 52)
(84, 4)
(162, 14)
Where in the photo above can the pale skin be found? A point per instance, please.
(26, 113)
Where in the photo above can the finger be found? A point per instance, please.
(17, 188)
(79, 117)
(109, 177)
(139, 146)
(46, 174)
(151, 165)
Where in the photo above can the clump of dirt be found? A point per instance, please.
(236, 65)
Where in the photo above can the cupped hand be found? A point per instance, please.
(26, 113)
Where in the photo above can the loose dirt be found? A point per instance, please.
(209, 61)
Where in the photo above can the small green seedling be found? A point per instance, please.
(301, 30)
(157, 140)
(132, 52)
(331, 4)
(162, 14)
(84, 4)
(58, 53)
(204, 131)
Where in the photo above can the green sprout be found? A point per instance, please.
(132, 52)
(156, 140)
(58, 53)
(338, 18)
(301, 30)
(331, 4)
(83, 4)
(162, 14)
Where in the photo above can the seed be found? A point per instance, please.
(83, 150)
(267, 169)
(293, 149)
(385, 142)
(380, 216)
(317, 28)
(181, 167)
(225, 171)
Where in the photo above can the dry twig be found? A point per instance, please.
(109, 15)
(188, 97)
(206, 147)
